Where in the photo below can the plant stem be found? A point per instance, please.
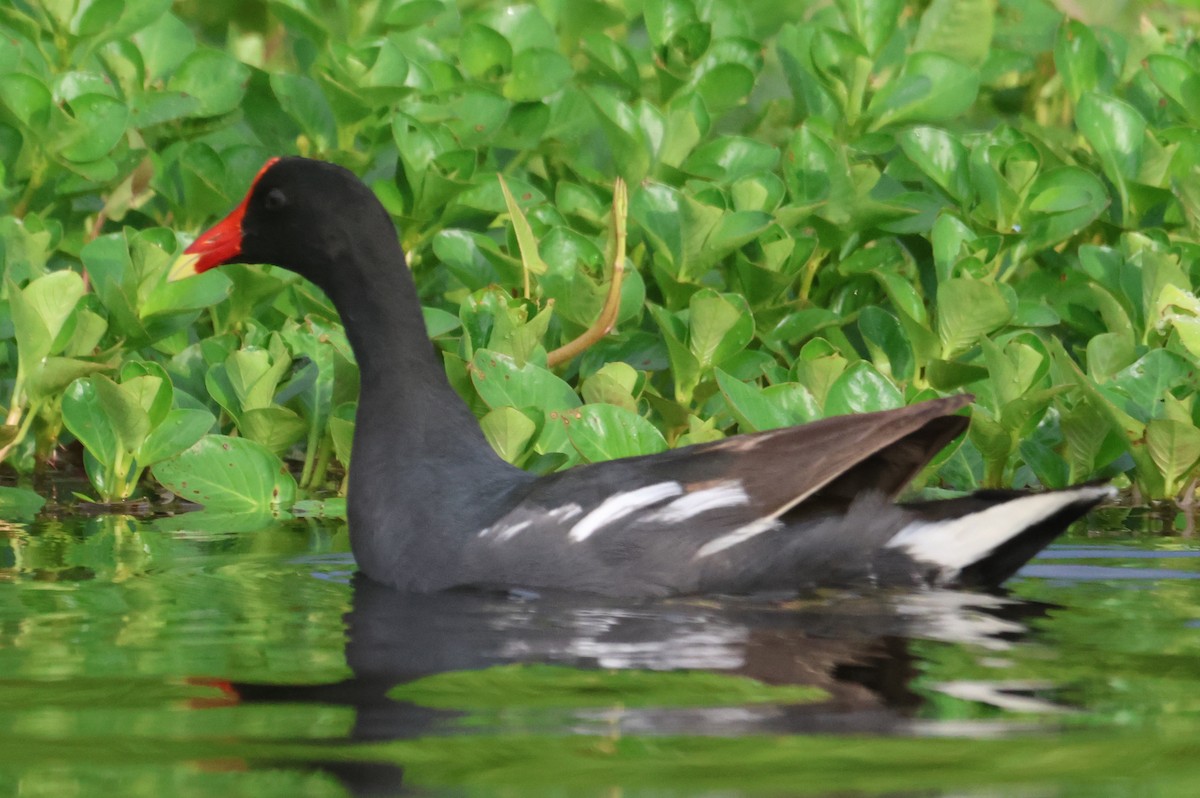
(310, 454)
(323, 458)
(612, 302)
(22, 431)
(811, 267)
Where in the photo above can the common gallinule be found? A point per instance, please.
(431, 506)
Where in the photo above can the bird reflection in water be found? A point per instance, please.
(857, 648)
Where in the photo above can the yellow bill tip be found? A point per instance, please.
(184, 266)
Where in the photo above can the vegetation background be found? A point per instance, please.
(833, 207)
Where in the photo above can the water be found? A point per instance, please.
(164, 658)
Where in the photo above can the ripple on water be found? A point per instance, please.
(137, 648)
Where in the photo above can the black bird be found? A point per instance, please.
(431, 505)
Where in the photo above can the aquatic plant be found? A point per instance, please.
(831, 209)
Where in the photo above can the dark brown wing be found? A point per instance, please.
(837, 457)
(828, 461)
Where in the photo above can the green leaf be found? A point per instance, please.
(89, 330)
(124, 412)
(228, 474)
(40, 311)
(54, 374)
(500, 383)
(536, 74)
(679, 227)
(1116, 131)
(1174, 447)
(28, 98)
(942, 157)
(862, 389)
(613, 384)
(19, 504)
(1084, 429)
(276, 428)
(107, 20)
(625, 135)
(885, 337)
(932, 88)
(1014, 369)
(725, 85)
(164, 44)
(99, 123)
(778, 406)
(152, 393)
(995, 443)
(1078, 58)
(526, 241)
(818, 368)
(214, 79)
(687, 123)
(731, 157)
(872, 21)
(186, 296)
(1061, 203)
(1148, 379)
(685, 368)
(719, 326)
(961, 29)
(88, 421)
(304, 101)
(177, 431)
(341, 430)
(967, 310)
(1108, 353)
(254, 376)
(483, 50)
(509, 431)
(1179, 81)
(152, 386)
(390, 69)
(607, 432)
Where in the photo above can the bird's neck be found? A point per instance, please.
(422, 474)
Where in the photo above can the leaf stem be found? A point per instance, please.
(310, 454)
(612, 302)
(22, 431)
(322, 467)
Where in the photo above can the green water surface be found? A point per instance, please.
(150, 658)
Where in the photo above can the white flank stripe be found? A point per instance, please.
(727, 494)
(739, 535)
(564, 513)
(614, 508)
(507, 532)
(957, 542)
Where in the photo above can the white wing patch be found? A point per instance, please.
(726, 494)
(616, 507)
(955, 543)
(739, 535)
(507, 532)
(506, 528)
(565, 513)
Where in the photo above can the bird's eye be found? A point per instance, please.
(275, 199)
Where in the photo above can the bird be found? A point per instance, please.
(431, 506)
